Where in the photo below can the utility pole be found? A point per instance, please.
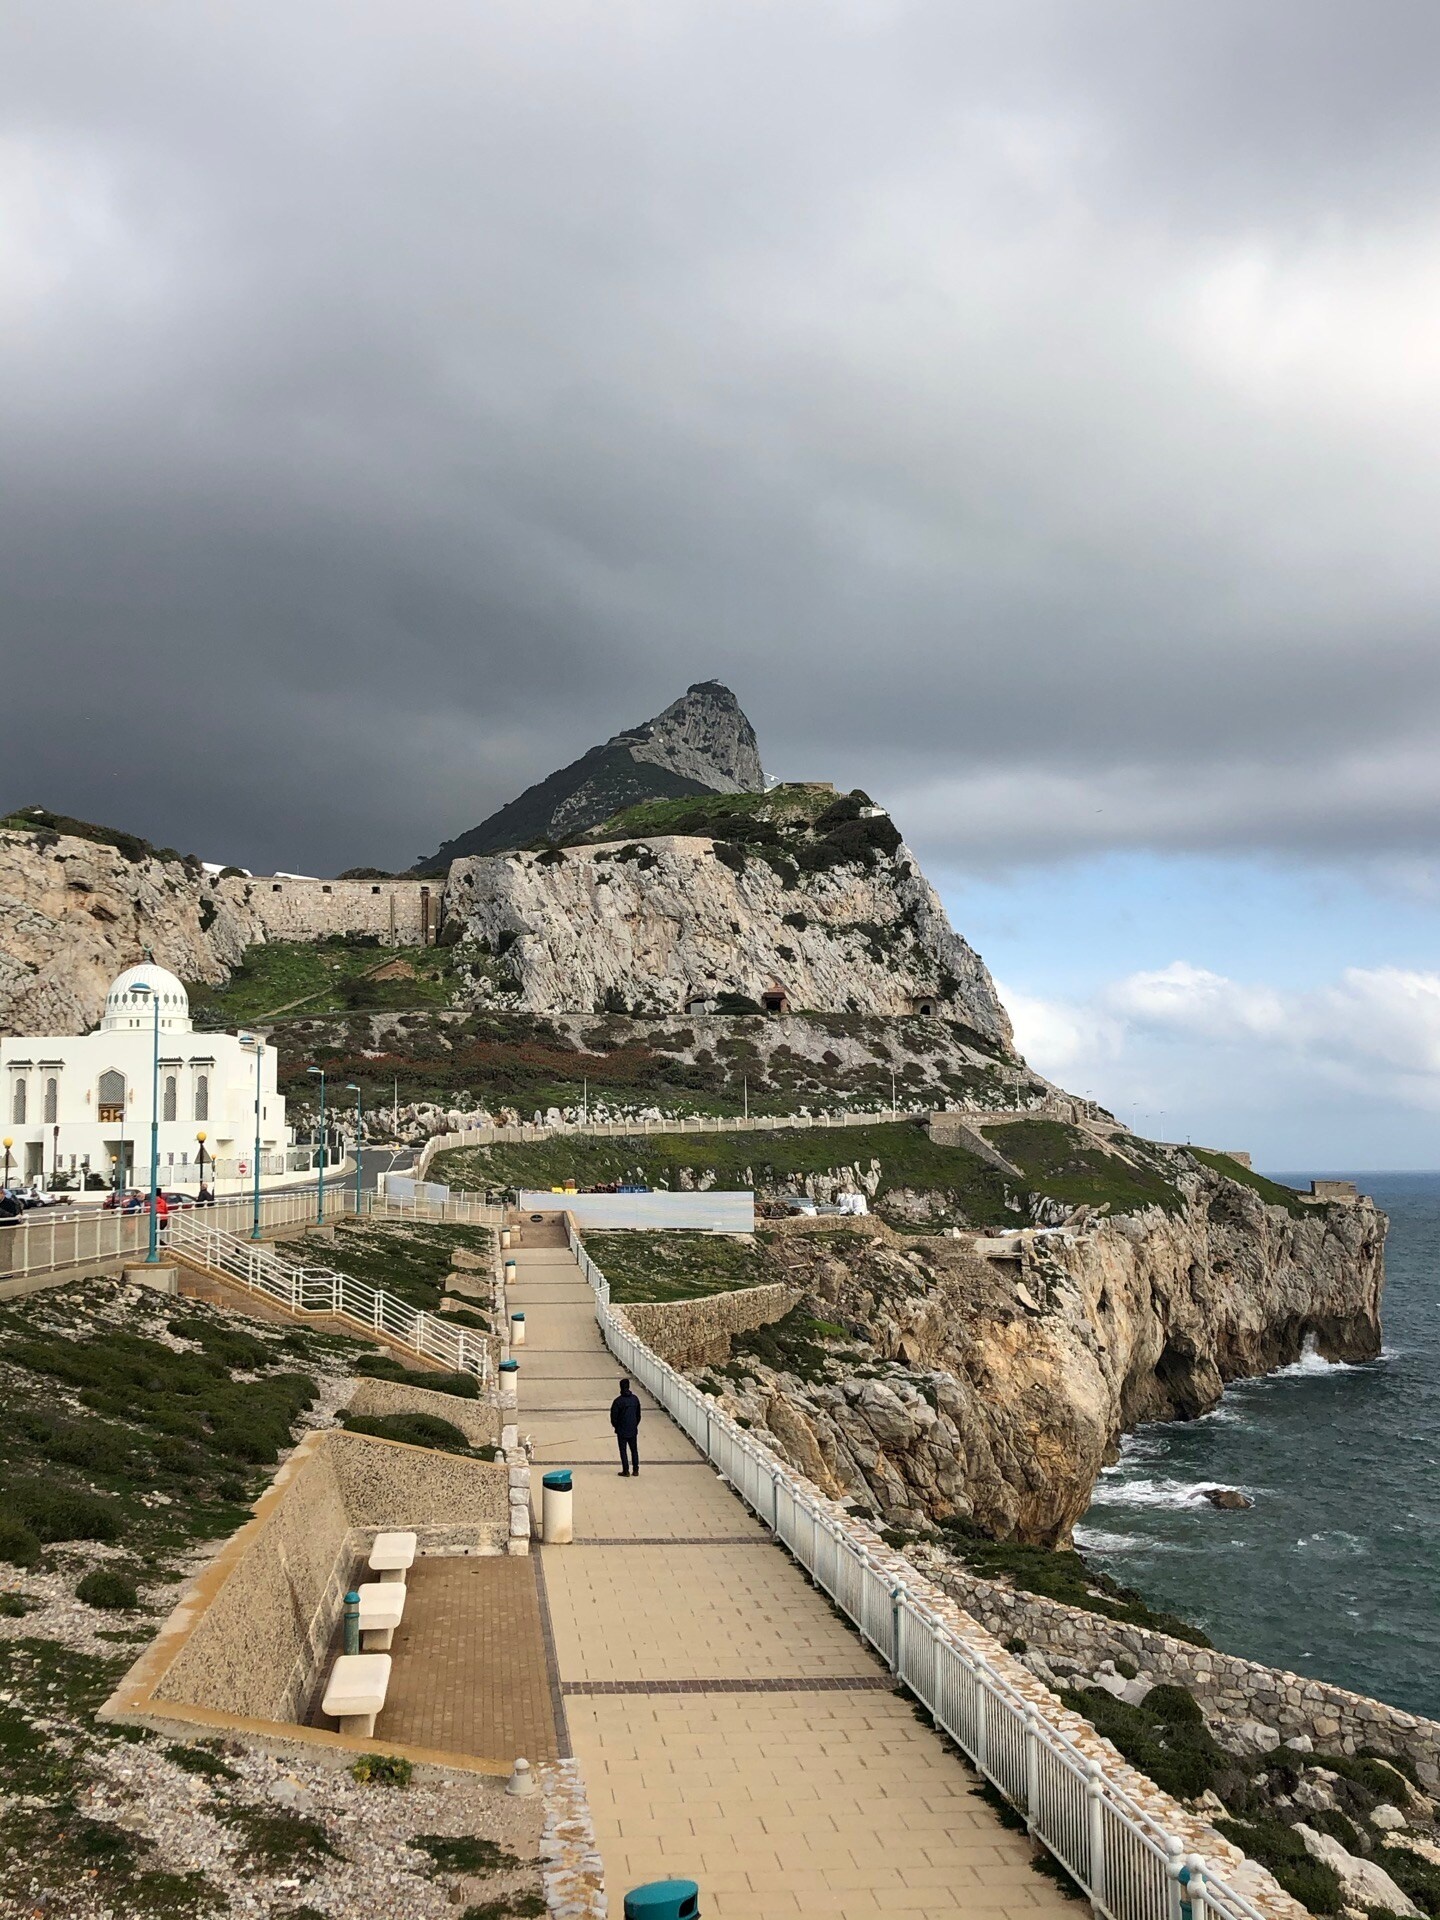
(745, 1095)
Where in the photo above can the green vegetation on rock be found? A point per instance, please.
(1270, 1191)
(46, 827)
(324, 976)
(1063, 1575)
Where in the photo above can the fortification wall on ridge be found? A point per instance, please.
(400, 913)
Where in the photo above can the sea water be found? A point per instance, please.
(1335, 1571)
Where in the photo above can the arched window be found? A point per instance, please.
(19, 1101)
(167, 1110)
(110, 1098)
(52, 1101)
(202, 1096)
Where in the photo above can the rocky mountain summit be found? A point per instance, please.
(701, 743)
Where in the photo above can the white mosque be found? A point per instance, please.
(77, 1109)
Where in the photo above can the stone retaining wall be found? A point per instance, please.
(692, 1333)
(259, 1637)
(1223, 1684)
(400, 913)
(479, 1423)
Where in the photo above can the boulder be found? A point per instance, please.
(1389, 1819)
(1230, 1498)
(1362, 1882)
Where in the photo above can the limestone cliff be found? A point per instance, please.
(74, 912)
(994, 1390)
(826, 916)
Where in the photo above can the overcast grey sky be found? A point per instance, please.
(1029, 408)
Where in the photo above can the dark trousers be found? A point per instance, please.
(629, 1453)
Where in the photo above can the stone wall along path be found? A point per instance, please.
(730, 1728)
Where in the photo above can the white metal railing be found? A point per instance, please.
(1130, 1867)
(51, 1240)
(263, 1268)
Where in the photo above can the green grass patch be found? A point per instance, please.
(279, 1842)
(407, 1258)
(1065, 1163)
(678, 1266)
(464, 1853)
(1063, 1575)
(46, 827)
(324, 976)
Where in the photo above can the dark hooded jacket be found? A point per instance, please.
(625, 1415)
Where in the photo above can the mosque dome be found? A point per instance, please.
(125, 1007)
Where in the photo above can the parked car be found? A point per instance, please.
(36, 1197)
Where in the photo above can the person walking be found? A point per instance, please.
(625, 1419)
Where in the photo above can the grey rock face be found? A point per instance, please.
(702, 736)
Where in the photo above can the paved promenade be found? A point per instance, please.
(731, 1728)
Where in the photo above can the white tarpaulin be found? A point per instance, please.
(695, 1212)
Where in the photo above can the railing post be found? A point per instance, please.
(1174, 1868)
(337, 1294)
(1193, 1875)
(897, 1610)
(1032, 1770)
(1095, 1821)
(419, 1332)
(982, 1728)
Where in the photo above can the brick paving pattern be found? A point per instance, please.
(470, 1673)
(731, 1729)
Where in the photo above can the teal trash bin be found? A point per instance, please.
(663, 1900)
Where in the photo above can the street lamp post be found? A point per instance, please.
(350, 1087)
(152, 1258)
(9, 1142)
(320, 1179)
(200, 1137)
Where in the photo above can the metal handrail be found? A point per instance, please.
(1128, 1864)
(322, 1290)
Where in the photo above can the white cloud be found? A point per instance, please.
(1300, 1077)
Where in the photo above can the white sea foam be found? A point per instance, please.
(1096, 1540)
(1143, 1492)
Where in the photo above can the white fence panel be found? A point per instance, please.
(1127, 1863)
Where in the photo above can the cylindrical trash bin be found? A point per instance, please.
(510, 1380)
(517, 1329)
(557, 1508)
(663, 1900)
(509, 1273)
(504, 1238)
(352, 1622)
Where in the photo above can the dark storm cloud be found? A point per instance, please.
(1029, 409)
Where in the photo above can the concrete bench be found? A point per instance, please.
(391, 1554)
(382, 1607)
(355, 1691)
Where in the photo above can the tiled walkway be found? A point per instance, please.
(732, 1730)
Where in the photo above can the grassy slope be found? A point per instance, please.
(409, 1258)
(1270, 1191)
(1054, 1159)
(677, 1266)
(272, 976)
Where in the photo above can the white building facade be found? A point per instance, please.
(76, 1110)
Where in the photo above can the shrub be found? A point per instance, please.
(380, 1366)
(52, 1511)
(382, 1770)
(414, 1429)
(14, 1606)
(279, 1842)
(108, 1590)
(1177, 1752)
(18, 1544)
(1279, 1848)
